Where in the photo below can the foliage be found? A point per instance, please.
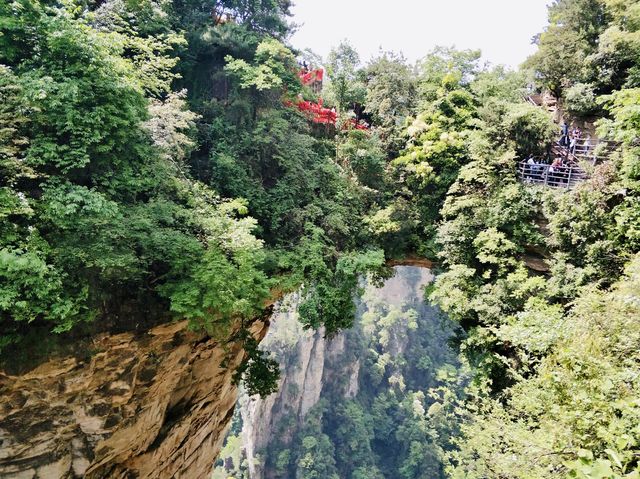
(578, 415)
(565, 47)
(581, 100)
(102, 224)
(328, 301)
(391, 96)
(527, 130)
(618, 46)
(150, 168)
(436, 150)
(588, 42)
(346, 87)
(445, 67)
(111, 171)
(362, 153)
(548, 396)
(259, 371)
(399, 346)
(274, 68)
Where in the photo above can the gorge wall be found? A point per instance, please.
(308, 362)
(154, 405)
(159, 404)
(391, 356)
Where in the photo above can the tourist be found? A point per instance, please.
(564, 135)
(553, 175)
(530, 167)
(536, 169)
(563, 141)
(572, 144)
(586, 146)
(577, 132)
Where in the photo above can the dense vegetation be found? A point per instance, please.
(151, 168)
(555, 356)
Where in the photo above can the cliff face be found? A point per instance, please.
(314, 368)
(148, 406)
(300, 382)
(307, 361)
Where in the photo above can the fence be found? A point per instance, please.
(556, 177)
(594, 153)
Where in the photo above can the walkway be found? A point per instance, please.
(574, 160)
(557, 177)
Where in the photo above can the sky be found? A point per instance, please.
(502, 29)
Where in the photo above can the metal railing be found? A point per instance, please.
(586, 151)
(591, 153)
(557, 177)
(594, 152)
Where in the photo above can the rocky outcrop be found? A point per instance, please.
(155, 405)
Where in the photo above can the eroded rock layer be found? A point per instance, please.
(155, 405)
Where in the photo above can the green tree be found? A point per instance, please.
(565, 47)
(445, 67)
(343, 67)
(102, 215)
(576, 415)
(391, 96)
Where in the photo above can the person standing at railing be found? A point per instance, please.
(564, 174)
(537, 171)
(586, 146)
(528, 171)
(564, 138)
(576, 132)
(553, 174)
(575, 139)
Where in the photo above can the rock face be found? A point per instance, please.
(147, 406)
(300, 382)
(309, 365)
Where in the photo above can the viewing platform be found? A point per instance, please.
(569, 156)
(571, 171)
(557, 177)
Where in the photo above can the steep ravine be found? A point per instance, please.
(391, 321)
(159, 404)
(154, 406)
(307, 366)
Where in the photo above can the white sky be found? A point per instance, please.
(502, 29)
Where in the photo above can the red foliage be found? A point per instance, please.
(308, 77)
(317, 113)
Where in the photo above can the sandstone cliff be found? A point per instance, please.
(313, 367)
(155, 405)
(302, 356)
